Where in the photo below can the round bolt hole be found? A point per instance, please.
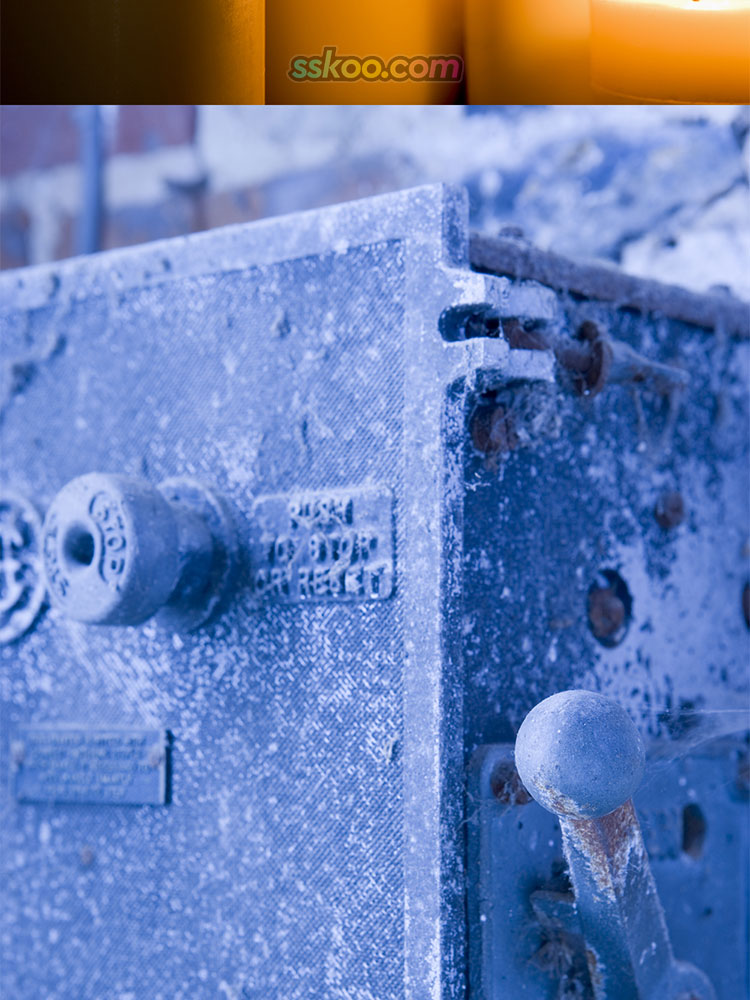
(79, 547)
(610, 608)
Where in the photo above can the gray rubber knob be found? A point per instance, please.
(119, 550)
(579, 754)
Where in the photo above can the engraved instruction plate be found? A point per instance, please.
(327, 545)
(77, 764)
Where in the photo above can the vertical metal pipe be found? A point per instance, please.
(90, 219)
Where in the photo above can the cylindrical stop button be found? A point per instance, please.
(118, 550)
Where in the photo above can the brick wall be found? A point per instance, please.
(662, 191)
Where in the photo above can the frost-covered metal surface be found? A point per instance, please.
(313, 841)
(542, 522)
(612, 554)
(312, 845)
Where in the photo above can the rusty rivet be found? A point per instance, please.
(520, 338)
(669, 510)
(589, 361)
(609, 608)
(87, 856)
(492, 429)
(506, 785)
(589, 331)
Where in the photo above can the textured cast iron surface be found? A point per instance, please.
(315, 838)
(313, 844)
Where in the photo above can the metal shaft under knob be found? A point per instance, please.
(118, 550)
(581, 757)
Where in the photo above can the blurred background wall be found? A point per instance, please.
(660, 190)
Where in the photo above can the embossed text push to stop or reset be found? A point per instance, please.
(330, 545)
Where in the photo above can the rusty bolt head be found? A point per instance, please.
(589, 331)
(492, 429)
(507, 786)
(593, 380)
(670, 510)
(520, 338)
(589, 361)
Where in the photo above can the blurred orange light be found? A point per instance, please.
(672, 50)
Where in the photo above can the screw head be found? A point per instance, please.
(579, 754)
(670, 510)
(589, 361)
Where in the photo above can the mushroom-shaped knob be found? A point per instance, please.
(119, 550)
(579, 754)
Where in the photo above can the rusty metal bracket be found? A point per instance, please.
(517, 258)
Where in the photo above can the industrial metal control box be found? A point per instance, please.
(441, 493)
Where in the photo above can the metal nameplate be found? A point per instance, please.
(332, 545)
(97, 766)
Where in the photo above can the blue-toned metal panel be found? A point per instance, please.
(544, 518)
(429, 512)
(640, 491)
(302, 852)
(279, 841)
